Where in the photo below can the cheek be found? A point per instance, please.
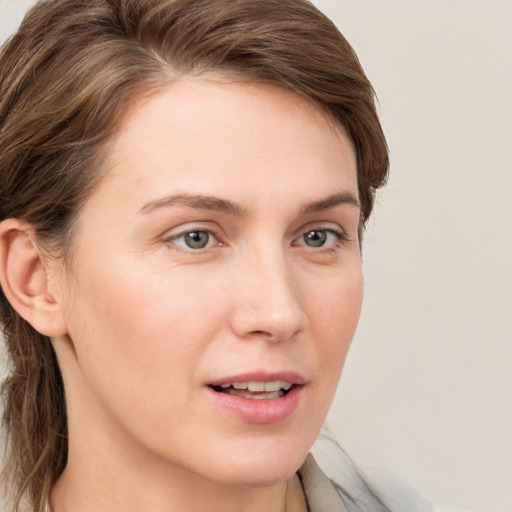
(141, 326)
(139, 338)
(334, 314)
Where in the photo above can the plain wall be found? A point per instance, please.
(427, 389)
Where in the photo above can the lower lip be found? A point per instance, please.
(263, 412)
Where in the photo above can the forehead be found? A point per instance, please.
(208, 133)
(224, 100)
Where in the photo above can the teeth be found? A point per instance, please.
(261, 396)
(256, 386)
(277, 385)
(259, 387)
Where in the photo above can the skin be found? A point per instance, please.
(148, 322)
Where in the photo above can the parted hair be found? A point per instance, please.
(68, 77)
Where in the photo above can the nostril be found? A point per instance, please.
(266, 335)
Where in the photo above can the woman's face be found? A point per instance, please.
(220, 252)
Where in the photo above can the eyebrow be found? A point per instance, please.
(331, 202)
(205, 202)
(197, 201)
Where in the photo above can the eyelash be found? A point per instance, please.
(340, 236)
(171, 240)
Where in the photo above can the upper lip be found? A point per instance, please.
(262, 376)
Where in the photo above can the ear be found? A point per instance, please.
(25, 279)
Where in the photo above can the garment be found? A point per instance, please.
(354, 493)
(321, 493)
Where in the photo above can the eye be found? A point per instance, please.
(195, 239)
(320, 238)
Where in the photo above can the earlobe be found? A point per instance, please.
(25, 279)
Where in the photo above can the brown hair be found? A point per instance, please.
(67, 77)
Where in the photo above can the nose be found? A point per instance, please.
(267, 301)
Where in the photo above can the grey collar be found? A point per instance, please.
(321, 494)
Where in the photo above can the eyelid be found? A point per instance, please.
(339, 236)
(331, 227)
(171, 236)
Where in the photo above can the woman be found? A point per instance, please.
(184, 187)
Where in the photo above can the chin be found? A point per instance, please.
(259, 475)
(263, 464)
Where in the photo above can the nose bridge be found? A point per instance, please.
(268, 302)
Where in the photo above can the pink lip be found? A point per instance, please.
(260, 412)
(261, 376)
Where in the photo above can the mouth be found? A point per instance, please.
(255, 390)
(259, 397)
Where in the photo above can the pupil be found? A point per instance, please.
(316, 238)
(197, 239)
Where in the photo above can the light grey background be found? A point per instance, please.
(427, 389)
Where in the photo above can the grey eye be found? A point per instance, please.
(196, 239)
(315, 238)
